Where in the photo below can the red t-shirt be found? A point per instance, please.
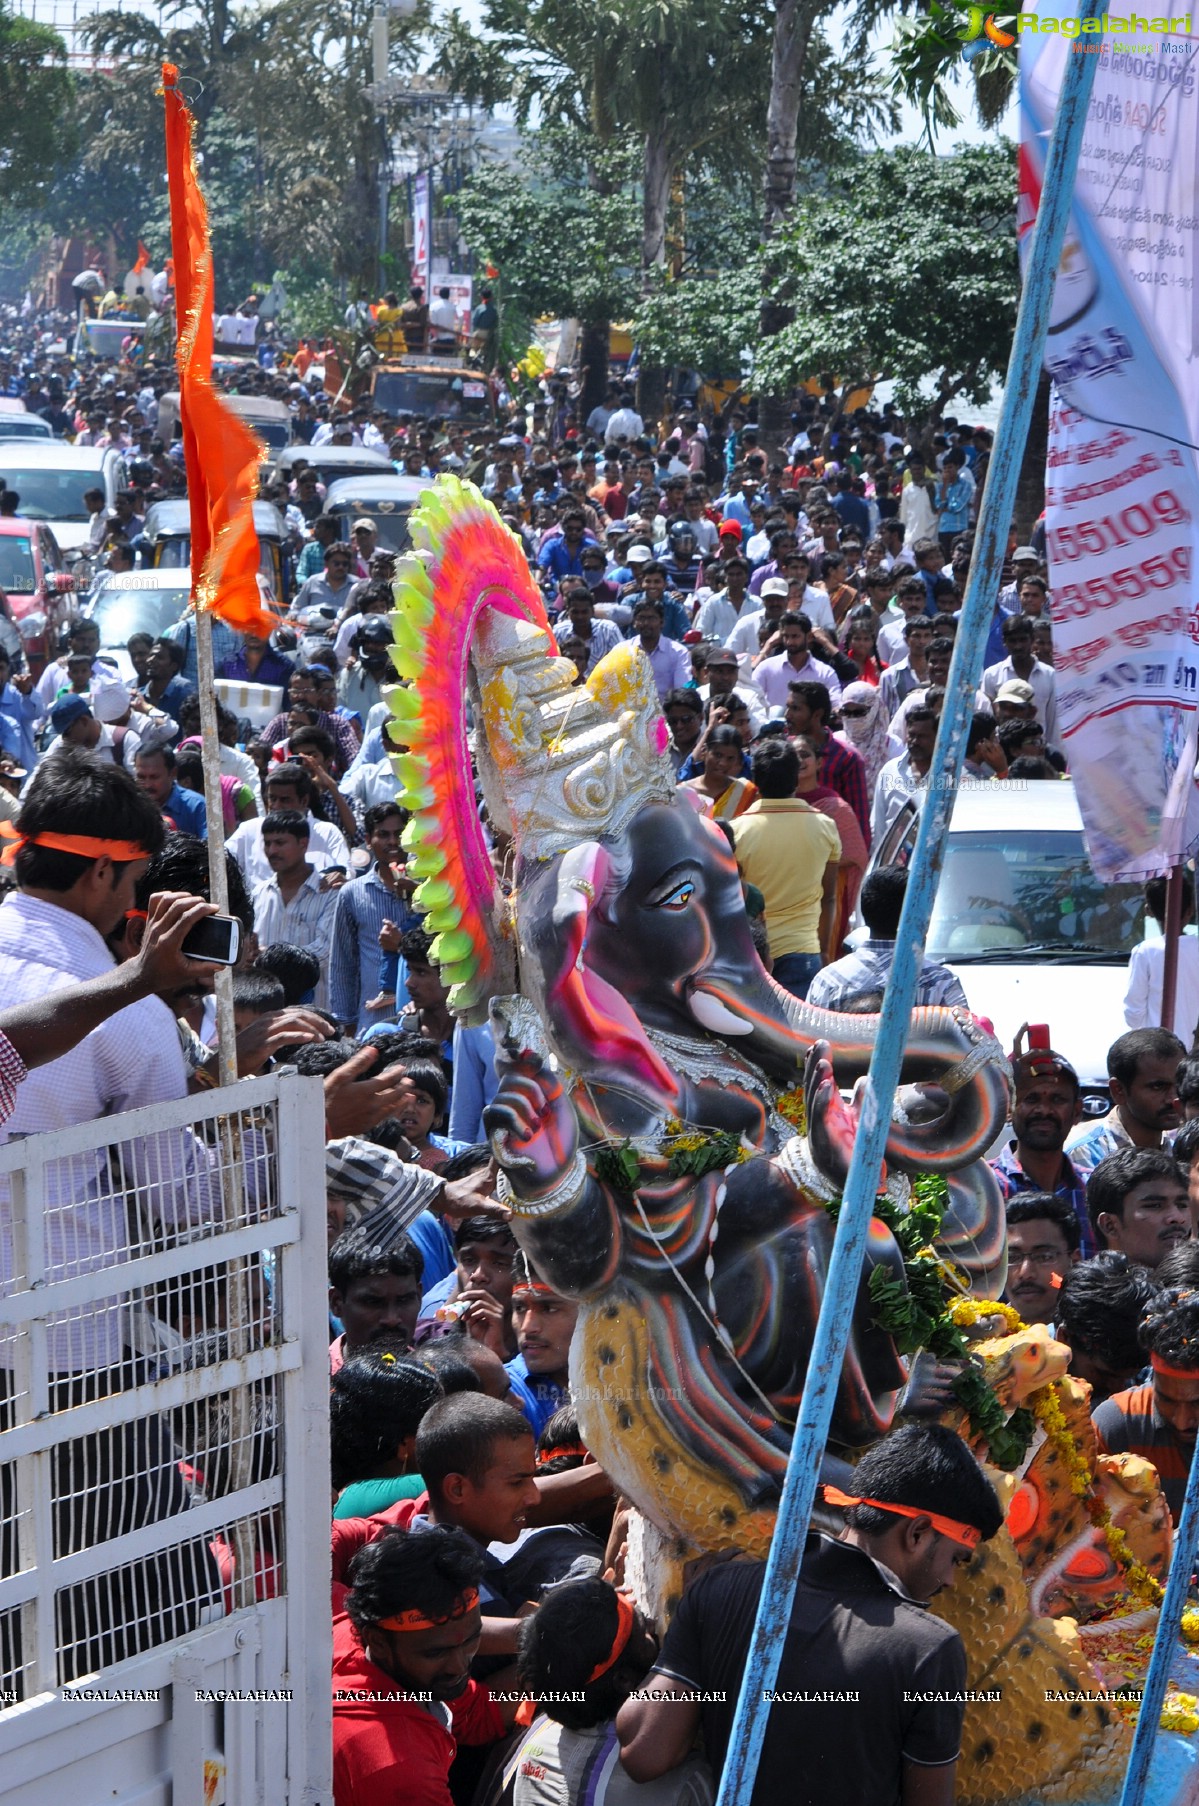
(391, 1751)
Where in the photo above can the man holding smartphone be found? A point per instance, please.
(85, 836)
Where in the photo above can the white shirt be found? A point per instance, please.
(132, 1059)
(370, 784)
(307, 921)
(897, 781)
(326, 847)
(743, 640)
(442, 316)
(917, 513)
(715, 618)
(626, 423)
(1143, 998)
(1040, 680)
(774, 677)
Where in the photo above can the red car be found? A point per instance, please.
(38, 588)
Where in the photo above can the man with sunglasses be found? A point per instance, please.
(330, 590)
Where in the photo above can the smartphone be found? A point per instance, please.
(216, 938)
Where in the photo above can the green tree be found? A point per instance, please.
(903, 268)
(906, 269)
(929, 68)
(36, 116)
(564, 245)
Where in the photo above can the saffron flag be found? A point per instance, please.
(143, 258)
(220, 452)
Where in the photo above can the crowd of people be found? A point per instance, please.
(798, 609)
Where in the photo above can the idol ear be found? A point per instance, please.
(592, 1022)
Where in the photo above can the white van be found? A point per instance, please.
(1022, 920)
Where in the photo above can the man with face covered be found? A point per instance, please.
(403, 1697)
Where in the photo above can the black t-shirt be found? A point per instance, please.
(851, 1635)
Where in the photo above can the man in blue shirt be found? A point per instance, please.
(563, 556)
(362, 907)
(851, 508)
(154, 769)
(165, 687)
(544, 1322)
(18, 712)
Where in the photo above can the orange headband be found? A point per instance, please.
(84, 846)
(625, 1620)
(418, 1621)
(1173, 1373)
(958, 1533)
(566, 1448)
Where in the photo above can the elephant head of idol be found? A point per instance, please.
(630, 917)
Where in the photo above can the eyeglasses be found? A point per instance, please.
(854, 713)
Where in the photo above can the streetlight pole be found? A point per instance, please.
(380, 58)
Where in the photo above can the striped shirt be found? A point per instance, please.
(843, 770)
(1128, 1423)
(307, 921)
(1070, 1185)
(12, 1071)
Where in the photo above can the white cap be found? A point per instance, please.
(109, 698)
(640, 555)
(775, 586)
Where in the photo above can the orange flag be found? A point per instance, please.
(220, 452)
(143, 258)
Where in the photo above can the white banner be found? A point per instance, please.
(1122, 486)
(421, 230)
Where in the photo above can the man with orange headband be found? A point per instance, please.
(84, 839)
(403, 1697)
(1160, 1421)
(582, 1652)
(871, 1687)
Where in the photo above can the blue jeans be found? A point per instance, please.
(795, 972)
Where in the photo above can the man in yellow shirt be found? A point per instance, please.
(791, 852)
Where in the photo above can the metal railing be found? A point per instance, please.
(164, 1478)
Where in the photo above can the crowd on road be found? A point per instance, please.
(798, 603)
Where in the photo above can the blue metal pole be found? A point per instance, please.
(1182, 1563)
(832, 1330)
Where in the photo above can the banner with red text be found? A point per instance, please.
(1122, 485)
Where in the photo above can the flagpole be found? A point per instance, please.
(218, 871)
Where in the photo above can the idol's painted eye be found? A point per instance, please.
(679, 897)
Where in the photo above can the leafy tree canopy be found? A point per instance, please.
(906, 269)
(36, 120)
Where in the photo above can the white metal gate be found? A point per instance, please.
(164, 1475)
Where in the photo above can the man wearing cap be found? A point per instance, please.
(1021, 666)
(1046, 1105)
(868, 1702)
(746, 637)
(1025, 563)
(722, 676)
(365, 535)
